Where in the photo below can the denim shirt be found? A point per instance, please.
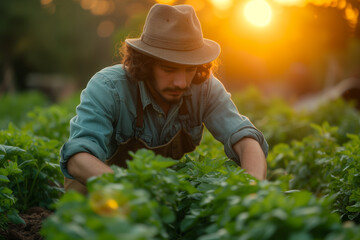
(107, 112)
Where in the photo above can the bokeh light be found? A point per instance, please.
(88, 4)
(222, 4)
(258, 12)
(351, 14)
(45, 2)
(105, 29)
(292, 2)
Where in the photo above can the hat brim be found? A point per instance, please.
(207, 53)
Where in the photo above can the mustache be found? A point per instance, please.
(176, 89)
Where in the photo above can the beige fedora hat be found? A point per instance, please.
(173, 33)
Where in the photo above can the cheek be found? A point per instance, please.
(158, 80)
(190, 76)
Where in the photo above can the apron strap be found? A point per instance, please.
(183, 108)
(139, 121)
(139, 111)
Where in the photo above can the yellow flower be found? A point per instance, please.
(106, 203)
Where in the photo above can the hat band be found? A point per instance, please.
(172, 45)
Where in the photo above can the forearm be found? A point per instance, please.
(84, 165)
(252, 158)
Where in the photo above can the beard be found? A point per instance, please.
(160, 95)
(175, 99)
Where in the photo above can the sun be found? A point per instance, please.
(258, 12)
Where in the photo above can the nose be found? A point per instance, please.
(180, 79)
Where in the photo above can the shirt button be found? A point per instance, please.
(160, 115)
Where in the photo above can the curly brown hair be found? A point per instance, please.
(139, 66)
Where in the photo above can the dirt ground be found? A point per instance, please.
(33, 219)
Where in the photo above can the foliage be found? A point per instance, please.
(204, 195)
(209, 147)
(51, 122)
(280, 123)
(130, 204)
(336, 167)
(78, 217)
(202, 199)
(33, 114)
(303, 158)
(13, 107)
(40, 181)
(341, 114)
(345, 180)
(8, 169)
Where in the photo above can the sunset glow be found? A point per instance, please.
(258, 12)
(169, 2)
(292, 2)
(221, 4)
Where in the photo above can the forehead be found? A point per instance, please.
(172, 65)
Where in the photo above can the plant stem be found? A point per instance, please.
(19, 190)
(33, 184)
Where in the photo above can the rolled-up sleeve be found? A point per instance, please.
(91, 129)
(224, 121)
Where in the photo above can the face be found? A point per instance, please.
(170, 81)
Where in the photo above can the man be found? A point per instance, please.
(159, 99)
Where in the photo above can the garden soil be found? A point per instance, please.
(33, 219)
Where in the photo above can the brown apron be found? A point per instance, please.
(180, 144)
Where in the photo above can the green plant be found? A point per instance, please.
(344, 182)
(126, 213)
(200, 199)
(41, 178)
(209, 147)
(230, 204)
(51, 122)
(281, 123)
(338, 113)
(8, 169)
(137, 203)
(14, 107)
(262, 211)
(303, 158)
(320, 164)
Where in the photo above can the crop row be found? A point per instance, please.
(313, 190)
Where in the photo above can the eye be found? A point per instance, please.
(167, 69)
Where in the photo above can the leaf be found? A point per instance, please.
(28, 162)
(354, 208)
(14, 217)
(220, 234)
(164, 163)
(300, 236)
(187, 222)
(4, 178)
(167, 215)
(10, 149)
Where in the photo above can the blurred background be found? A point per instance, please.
(289, 48)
